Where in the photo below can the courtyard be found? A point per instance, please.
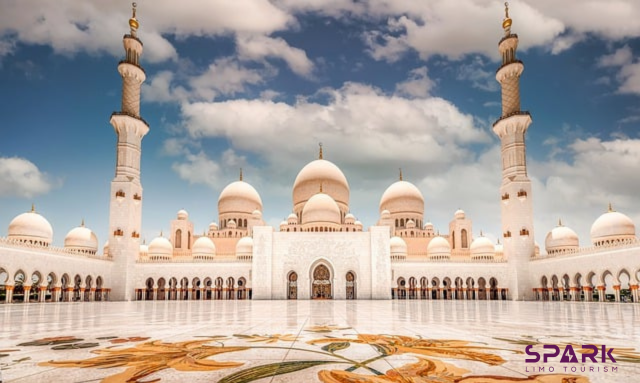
(315, 341)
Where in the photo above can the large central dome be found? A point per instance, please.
(239, 196)
(317, 172)
(402, 196)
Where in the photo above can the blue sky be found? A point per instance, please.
(256, 84)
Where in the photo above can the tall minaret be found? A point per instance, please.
(515, 191)
(125, 212)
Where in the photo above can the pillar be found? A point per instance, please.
(616, 292)
(601, 293)
(9, 291)
(561, 294)
(92, 294)
(634, 292)
(27, 292)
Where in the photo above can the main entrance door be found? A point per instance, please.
(321, 287)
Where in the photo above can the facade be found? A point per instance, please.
(321, 251)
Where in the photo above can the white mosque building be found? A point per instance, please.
(321, 251)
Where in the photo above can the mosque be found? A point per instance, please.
(321, 251)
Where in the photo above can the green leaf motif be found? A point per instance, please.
(268, 370)
(336, 346)
(74, 346)
(383, 350)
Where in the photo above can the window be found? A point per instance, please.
(463, 238)
(178, 239)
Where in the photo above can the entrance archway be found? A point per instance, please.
(292, 291)
(321, 284)
(351, 285)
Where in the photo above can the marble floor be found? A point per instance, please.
(315, 341)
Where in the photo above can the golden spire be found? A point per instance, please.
(498, 241)
(320, 187)
(82, 223)
(320, 155)
(610, 208)
(161, 233)
(559, 221)
(506, 23)
(400, 173)
(133, 22)
(33, 207)
(482, 235)
(240, 174)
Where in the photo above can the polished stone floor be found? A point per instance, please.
(314, 341)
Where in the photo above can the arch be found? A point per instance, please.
(18, 286)
(178, 239)
(321, 281)
(161, 293)
(351, 285)
(556, 290)
(464, 239)
(77, 285)
(219, 287)
(446, 288)
(4, 278)
(493, 289)
(608, 281)
(624, 282)
(423, 287)
(435, 288)
(99, 287)
(88, 284)
(189, 240)
(242, 287)
(412, 288)
(149, 289)
(482, 289)
(207, 284)
(231, 288)
(401, 292)
(453, 239)
(34, 293)
(196, 285)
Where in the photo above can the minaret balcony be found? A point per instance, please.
(129, 69)
(510, 69)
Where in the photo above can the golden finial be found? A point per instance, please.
(320, 155)
(498, 241)
(240, 174)
(161, 233)
(320, 187)
(33, 207)
(82, 223)
(610, 208)
(559, 221)
(133, 22)
(506, 23)
(482, 235)
(400, 173)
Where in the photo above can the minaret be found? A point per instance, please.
(125, 214)
(515, 191)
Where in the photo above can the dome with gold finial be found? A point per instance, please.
(31, 228)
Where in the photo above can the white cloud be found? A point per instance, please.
(258, 47)
(199, 169)
(20, 177)
(622, 56)
(479, 77)
(94, 25)
(417, 85)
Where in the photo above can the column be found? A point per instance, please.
(634, 292)
(601, 291)
(55, 294)
(92, 294)
(475, 291)
(561, 294)
(42, 294)
(9, 291)
(144, 294)
(616, 292)
(27, 292)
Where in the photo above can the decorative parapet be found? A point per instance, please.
(622, 245)
(192, 260)
(15, 244)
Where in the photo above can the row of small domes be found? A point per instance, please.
(33, 228)
(440, 246)
(611, 227)
(161, 247)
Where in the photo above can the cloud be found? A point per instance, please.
(417, 85)
(94, 26)
(199, 169)
(20, 177)
(259, 47)
(479, 77)
(622, 56)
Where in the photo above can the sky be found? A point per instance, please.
(257, 84)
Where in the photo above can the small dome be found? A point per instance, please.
(612, 227)
(31, 227)
(411, 224)
(144, 250)
(213, 226)
(183, 215)
(439, 248)
(204, 247)
(81, 239)
(232, 224)
(321, 208)
(561, 238)
(283, 224)
(385, 214)
(482, 248)
(292, 219)
(349, 219)
(239, 196)
(459, 214)
(402, 196)
(398, 247)
(358, 225)
(244, 247)
(257, 214)
(499, 249)
(428, 226)
(160, 247)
